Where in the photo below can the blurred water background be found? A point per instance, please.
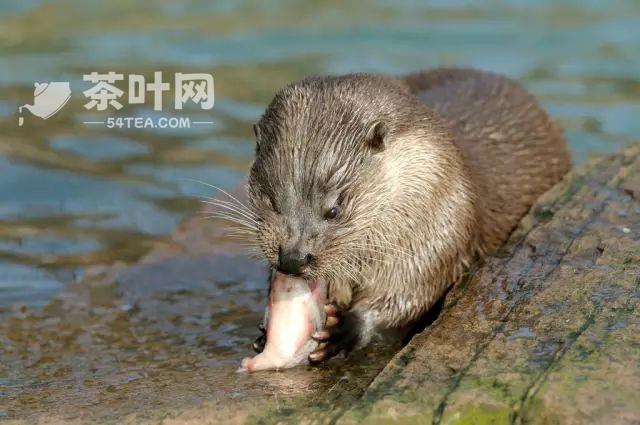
(74, 195)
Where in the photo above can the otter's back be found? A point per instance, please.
(515, 151)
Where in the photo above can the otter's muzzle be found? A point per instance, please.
(293, 261)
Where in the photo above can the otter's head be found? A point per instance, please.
(323, 180)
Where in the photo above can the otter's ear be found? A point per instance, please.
(375, 138)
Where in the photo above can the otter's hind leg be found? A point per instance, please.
(260, 342)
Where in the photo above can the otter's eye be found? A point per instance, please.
(332, 213)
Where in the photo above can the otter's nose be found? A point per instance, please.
(292, 261)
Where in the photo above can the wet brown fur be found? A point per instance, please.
(431, 171)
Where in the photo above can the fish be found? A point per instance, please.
(295, 312)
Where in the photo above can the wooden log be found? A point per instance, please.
(547, 331)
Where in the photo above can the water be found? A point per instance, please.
(74, 196)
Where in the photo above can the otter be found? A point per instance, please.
(388, 188)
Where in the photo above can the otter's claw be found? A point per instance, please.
(331, 321)
(336, 336)
(259, 343)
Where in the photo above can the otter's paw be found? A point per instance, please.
(259, 343)
(339, 334)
